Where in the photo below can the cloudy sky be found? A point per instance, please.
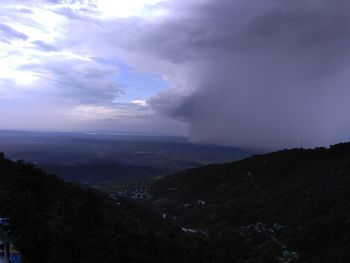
(272, 73)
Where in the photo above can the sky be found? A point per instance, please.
(246, 73)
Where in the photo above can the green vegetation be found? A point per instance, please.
(305, 191)
(288, 206)
(52, 221)
(97, 159)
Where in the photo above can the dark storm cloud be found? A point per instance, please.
(270, 74)
(174, 105)
(7, 33)
(266, 73)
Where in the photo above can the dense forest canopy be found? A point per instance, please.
(52, 221)
(305, 191)
(287, 206)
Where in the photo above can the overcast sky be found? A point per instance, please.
(272, 73)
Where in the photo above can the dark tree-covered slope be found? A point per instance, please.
(288, 206)
(306, 192)
(52, 221)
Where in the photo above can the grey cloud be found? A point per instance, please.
(25, 11)
(43, 46)
(175, 105)
(271, 74)
(7, 33)
(86, 82)
(238, 25)
(242, 72)
(81, 14)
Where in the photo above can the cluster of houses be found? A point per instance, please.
(8, 251)
(197, 203)
(261, 228)
(193, 231)
(269, 232)
(129, 193)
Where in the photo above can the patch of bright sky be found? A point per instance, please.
(128, 8)
(40, 25)
(93, 112)
(44, 24)
(106, 9)
(19, 53)
(139, 86)
(11, 59)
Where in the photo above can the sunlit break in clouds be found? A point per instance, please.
(234, 72)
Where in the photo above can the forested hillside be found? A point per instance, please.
(52, 221)
(288, 206)
(292, 201)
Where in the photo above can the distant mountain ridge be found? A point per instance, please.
(99, 158)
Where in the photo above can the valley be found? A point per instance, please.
(104, 160)
(286, 206)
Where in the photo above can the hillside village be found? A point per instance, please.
(8, 250)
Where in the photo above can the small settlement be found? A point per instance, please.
(8, 251)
